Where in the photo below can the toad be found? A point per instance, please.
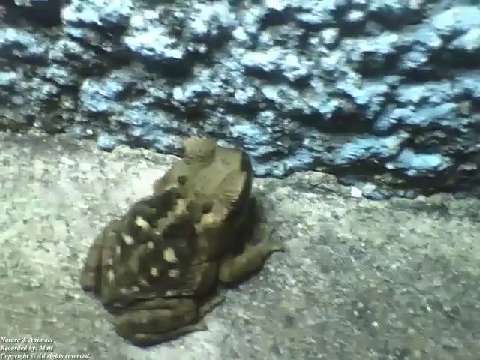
(158, 267)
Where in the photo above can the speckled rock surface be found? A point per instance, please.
(298, 84)
(361, 279)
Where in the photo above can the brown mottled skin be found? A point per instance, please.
(158, 267)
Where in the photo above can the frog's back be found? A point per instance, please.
(170, 244)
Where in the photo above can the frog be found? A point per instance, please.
(158, 268)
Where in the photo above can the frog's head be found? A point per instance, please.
(215, 178)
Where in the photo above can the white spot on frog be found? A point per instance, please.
(127, 239)
(169, 255)
(142, 223)
(144, 282)
(154, 271)
(110, 276)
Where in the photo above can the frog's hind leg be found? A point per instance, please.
(146, 339)
(158, 320)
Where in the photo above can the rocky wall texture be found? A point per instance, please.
(384, 93)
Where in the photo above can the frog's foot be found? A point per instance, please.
(149, 339)
(210, 304)
(252, 259)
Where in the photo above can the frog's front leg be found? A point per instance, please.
(158, 320)
(252, 259)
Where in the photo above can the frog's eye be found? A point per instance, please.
(182, 180)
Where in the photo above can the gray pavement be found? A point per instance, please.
(361, 279)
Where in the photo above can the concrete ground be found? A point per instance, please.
(361, 279)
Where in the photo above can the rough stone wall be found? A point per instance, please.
(384, 93)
